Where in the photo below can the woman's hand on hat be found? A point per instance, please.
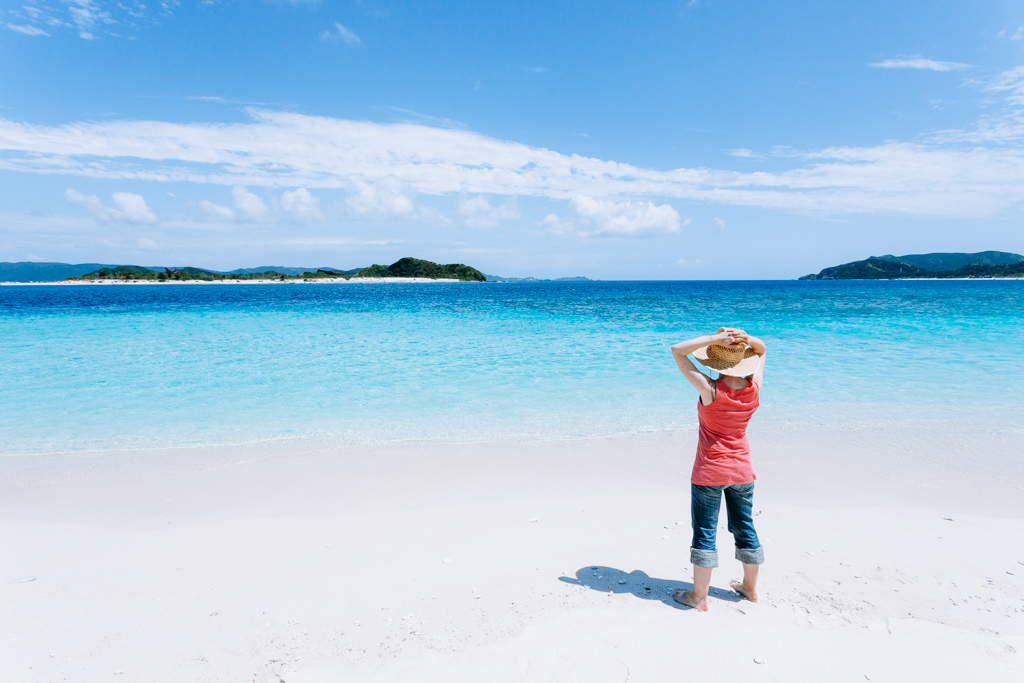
(723, 338)
(734, 337)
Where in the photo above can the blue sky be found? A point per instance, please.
(709, 139)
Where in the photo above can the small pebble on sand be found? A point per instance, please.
(759, 660)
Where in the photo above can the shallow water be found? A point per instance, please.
(140, 366)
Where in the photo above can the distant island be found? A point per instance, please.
(403, 268)
(984, 264)
(412, 267)
(34, 271)
(577, 278)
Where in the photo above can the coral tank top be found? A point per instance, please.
(723, 454)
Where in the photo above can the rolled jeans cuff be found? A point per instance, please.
(749, 555)
(704, 558)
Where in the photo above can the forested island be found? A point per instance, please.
(403, 268)
(984, 264)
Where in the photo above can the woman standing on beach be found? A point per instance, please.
(722, 466)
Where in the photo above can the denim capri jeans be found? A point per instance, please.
(705, 502)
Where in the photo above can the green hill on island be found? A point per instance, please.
(412, 267)
(406, 267)
(984, 264)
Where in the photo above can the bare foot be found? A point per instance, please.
(749, 593)
(687, 598)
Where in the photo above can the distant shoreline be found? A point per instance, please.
(370, 280)
(423, 280)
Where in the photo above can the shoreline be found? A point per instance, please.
(548, 560)
(419, 280)
(372, 280)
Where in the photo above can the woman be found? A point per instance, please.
(722, 466)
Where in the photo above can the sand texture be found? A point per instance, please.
(303, 562)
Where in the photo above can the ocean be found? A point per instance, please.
(114, 367)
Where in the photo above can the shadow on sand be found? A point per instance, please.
(636, 582)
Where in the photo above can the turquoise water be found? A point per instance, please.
(140, 366)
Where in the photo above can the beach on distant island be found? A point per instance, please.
(355, 280)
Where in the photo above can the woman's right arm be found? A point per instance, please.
(698, 379)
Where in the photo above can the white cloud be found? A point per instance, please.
(1016, 35)
(603, 218)
(90, 202)
(128, 207)
(27, 30)
(743, 153)
(919, 62)
(132, 208)
(386, 165)
(342, 33)
(1010, 82)
(386, 199)
(718, 222)
(1006, 124)
(86, 15)
(477, 212)
(251, 206)
(301, 204)
(216, 210)
(553, 224)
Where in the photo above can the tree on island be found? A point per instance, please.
(413, 267)
(406, 267)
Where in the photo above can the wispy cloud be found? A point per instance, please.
(301, 204)
(385, 199)
(919, 62)
(743, 153)
(226, 100)
(1012, 35)
(86, 15)
(216, 211)
(1003, 126)
(411, 116)
(383, 167)
(604, 218)
(342, 33)
(128, 207)
(248, 204)
(477, 212)
(93, 19)
(28, 30)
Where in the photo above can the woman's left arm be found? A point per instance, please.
(761, 350)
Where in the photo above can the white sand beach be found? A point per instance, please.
(552, 561)
(326, 280)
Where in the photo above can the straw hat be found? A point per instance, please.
(736, 361)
